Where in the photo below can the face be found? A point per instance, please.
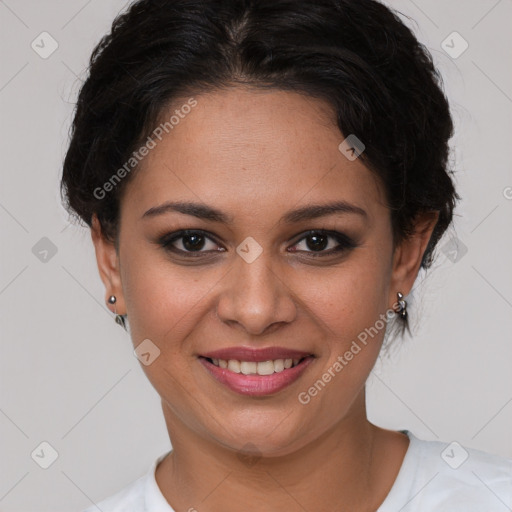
(264, 272)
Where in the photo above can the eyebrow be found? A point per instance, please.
(205, 212)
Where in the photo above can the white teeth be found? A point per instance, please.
(234, 365)
(266, 368)
(279, 365)
(248, 367)
(253, 368)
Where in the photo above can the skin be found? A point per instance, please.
(255, 155)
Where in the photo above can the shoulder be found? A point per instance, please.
(141, 495)
(456, 462)
(447, 476)
(128, 499)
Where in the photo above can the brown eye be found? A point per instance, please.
(317, 242)
(193, 242)
(323, 243)
(189, 242)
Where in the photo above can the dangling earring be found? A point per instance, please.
(120, 319)
(402, 306)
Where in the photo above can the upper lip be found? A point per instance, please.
(256, 354)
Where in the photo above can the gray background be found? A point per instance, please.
(68, 375)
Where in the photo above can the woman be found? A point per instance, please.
(263, 181)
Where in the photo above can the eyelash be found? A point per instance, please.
(344, 241)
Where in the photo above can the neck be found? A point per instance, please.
(342, 469)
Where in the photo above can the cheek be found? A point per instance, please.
(165, 303)
(348, 299)
(163, 299)
(349, 307)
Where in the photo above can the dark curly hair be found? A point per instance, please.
(355, 54)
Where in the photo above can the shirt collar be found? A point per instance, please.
(154, 500)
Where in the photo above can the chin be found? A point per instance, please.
(265, 437)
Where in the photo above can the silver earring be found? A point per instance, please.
(119, 319)
(402, 305)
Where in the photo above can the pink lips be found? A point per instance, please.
(256, 385)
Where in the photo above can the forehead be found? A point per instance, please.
(252, 147)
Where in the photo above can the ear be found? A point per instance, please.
(108, 266)
(408, 255)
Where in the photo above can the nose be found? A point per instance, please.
(255, 296)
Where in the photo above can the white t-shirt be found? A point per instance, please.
(434, 477)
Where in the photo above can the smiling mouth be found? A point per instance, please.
(261, 368)
(256, 378)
